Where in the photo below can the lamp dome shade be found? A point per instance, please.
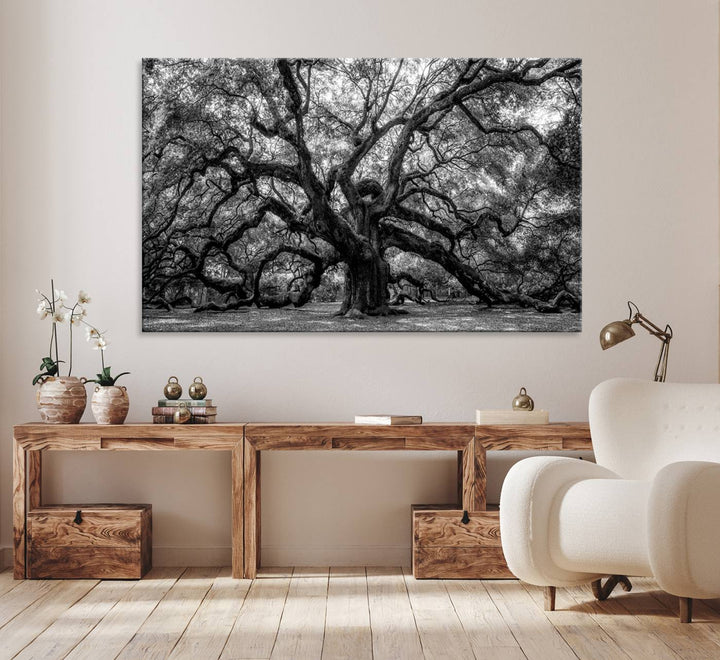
(615, 332)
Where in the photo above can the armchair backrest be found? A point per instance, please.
(640, 426)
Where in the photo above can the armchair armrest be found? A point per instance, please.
(684, 529)
(527, 500)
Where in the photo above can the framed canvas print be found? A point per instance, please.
(361, 195)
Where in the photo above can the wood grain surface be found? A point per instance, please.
(110, 541)
(460, 563)
(238, 527)
(127, 436)
(34, 478)
(19, 508)
(534, 437)
(446, 547)
(112, 526)
(251, 510)
(341, 436)
(84, 562)
(445, 528)
(108, 638)
(246, 441)
(31, 439)
(387, 613)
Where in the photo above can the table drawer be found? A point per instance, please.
(446, 547)
(89, 541)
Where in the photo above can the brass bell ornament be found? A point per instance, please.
(197, 389)
(523, 401)
(182, 415)
(173, 389)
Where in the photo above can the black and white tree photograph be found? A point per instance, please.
(358, 195)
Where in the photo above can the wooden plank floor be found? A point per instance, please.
(351, 613)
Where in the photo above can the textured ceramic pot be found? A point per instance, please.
(62, 400)
(110, 404)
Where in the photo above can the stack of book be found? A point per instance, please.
(202, 411)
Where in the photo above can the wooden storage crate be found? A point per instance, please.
(446, 547)
(108, 541)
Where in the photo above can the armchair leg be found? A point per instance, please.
(550, 599)
(685, 610)
(602, 591)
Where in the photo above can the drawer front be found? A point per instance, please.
(459, 563)
(79, 562)
(111, 529)
(445, 528)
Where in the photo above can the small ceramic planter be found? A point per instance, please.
(110, 404)
(61, 400)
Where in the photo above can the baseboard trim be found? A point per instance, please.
(188, 556)
(334, 555)
(6, 557)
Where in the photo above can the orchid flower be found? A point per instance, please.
(56, 307)
(43, 310)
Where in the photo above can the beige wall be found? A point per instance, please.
(70, 202)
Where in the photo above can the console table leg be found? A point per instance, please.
(251, 487)
(34, 478)
(480, 476)
(237, 511)
(460, 472)
(473, 476)
(258, 526)
(19, 510)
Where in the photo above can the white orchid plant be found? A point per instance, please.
(56, 308)
(99, 342)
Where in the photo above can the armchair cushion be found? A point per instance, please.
(600, 526)
(531, 493)
(684, 529)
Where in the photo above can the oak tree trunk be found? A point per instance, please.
(366, 287)
(367, 274)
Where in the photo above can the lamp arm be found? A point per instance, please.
(664, 335)
(661, 367)
(611, 335)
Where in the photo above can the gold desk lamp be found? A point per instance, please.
(617, 331)
(612, 334)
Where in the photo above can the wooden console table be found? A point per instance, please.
(246, 441)
(30, 440)
(469, 441)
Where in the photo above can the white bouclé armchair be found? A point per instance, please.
(649, 507)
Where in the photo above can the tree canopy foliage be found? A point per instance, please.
(366, 181)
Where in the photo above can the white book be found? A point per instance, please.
(388, 420)
(512, 417)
